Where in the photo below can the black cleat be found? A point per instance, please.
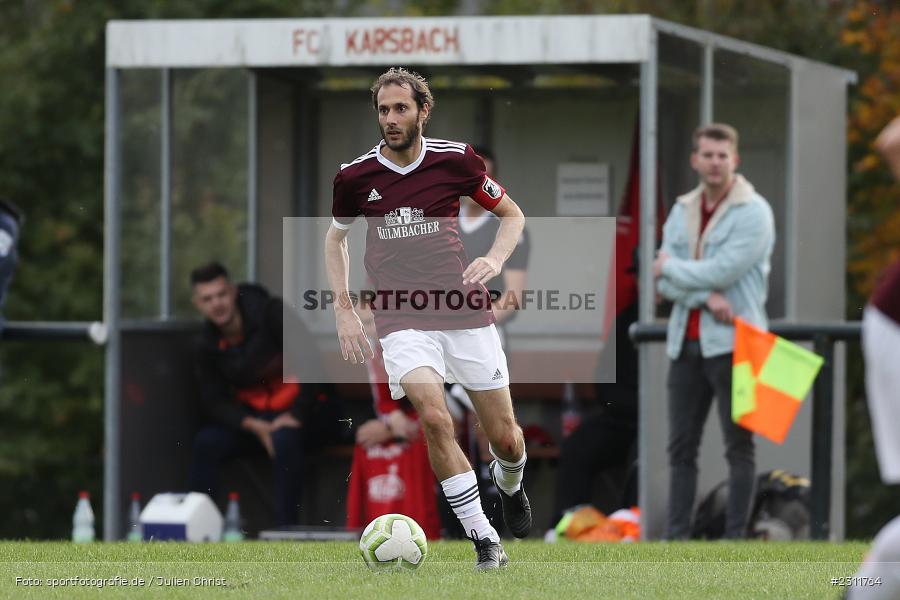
(489, 555)
(516, 508)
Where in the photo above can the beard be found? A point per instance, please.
(409, 135)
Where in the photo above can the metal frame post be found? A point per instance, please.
(252, 216)
(791, 190)
(165, 195)
(822, 427)
(646, 305)
(111, 301)
(707, 100)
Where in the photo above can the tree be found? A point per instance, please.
(872, 29)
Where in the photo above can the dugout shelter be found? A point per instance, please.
(217, 130)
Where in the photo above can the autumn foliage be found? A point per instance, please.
(873, 30)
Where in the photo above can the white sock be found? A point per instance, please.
(462, 494)
(509, 474)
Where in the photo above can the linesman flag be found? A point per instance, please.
(770, 378)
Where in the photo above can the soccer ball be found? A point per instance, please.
(393, 542)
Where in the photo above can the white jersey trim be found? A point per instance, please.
(434, 142)
(338, 225)
(435, 145)
(430, 149)
(397, 168)
(370, 154)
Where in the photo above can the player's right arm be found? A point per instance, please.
(355, 345)
(351, 333)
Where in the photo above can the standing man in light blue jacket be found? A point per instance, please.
(714, 266)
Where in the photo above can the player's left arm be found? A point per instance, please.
(888, 143)
(512, 222)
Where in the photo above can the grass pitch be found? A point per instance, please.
(690, 570)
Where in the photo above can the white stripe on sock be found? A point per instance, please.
(509, 474)
(461, 492)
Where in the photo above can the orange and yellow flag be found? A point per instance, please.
(770, 378)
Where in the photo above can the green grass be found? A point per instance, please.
(688, 571)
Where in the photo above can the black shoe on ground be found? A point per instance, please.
(516, 508)
(488, 555)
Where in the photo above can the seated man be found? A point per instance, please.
(248, 406)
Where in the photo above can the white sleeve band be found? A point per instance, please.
(338, 225)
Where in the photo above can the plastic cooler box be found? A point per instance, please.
(189, 517)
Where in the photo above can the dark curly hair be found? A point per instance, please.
(400, 76)
(208, 272)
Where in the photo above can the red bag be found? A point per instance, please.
(393, 478)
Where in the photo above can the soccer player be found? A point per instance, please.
(879, 575)
(408, 189)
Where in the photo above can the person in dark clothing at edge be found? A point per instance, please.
(248, 405)
(11, 219)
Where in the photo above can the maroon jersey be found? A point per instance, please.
(886, 297)
(414, 256)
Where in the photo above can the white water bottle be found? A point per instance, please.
(83, 520)
(232, 532)
(135, 531)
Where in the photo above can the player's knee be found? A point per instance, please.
(436, 422)
(509, 442)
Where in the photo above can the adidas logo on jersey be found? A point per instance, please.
(374, 195)
(497, 375)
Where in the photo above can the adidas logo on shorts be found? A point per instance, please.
(374, 195)
(497, 375)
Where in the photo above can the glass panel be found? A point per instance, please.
(541, 134)
(140, 135)
(678, 114)
(209, 176)
(679, 89)
(753, 96)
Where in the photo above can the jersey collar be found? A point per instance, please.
(396, 168)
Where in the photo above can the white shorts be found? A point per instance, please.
(472, 358)
(881, 346)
